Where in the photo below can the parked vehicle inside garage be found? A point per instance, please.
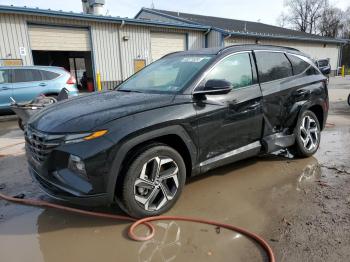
(25, 83)
(183, 115)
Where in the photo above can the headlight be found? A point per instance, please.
(74, 138)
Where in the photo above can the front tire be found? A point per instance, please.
(307, 134)
(153, 182)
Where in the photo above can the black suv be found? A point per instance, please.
(180, 116)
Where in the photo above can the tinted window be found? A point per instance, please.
(272, 66)
(4, 76)
(299, 65)
(47, 75)
(26, 75)
(235, 69)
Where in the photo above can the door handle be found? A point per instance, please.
(42, 84)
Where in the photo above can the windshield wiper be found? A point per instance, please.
(128, 91)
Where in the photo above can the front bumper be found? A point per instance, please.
(60, 192)
(48, 159)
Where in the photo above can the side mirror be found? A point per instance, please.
(325, 70)
(215, 86)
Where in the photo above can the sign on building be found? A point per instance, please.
(11, 62)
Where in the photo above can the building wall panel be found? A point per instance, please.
(238, 41)
(214, 39)
(105, 43)
(13, 36)
(137, 46)
(196, 40)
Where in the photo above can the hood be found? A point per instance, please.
(86, 112)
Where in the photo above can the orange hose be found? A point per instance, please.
(145, 221)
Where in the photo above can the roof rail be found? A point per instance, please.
(233, 46)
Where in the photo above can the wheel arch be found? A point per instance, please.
(317, 108)
(51, 93)
(318, 111)
(173, 136)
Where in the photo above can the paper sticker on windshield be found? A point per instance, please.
(194, 59)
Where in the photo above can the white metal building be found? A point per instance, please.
(117, 47)
(112, 46)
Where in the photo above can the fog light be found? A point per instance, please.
(77, 165)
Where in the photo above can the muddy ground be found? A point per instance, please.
(300, 206)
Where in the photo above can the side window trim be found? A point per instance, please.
(254, 68)
(200, 80)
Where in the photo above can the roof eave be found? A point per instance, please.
(282, 37)
(336, 41)
(41, 12)
(166, 16)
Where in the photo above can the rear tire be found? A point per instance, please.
(153, 182)
(349, 100)
(307, 135)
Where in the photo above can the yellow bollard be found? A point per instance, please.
(343, 71)
(99, 86)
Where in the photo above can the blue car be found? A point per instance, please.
(25, 83)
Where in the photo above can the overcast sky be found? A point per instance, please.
(266, 11)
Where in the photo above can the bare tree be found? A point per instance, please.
(282, 20)
(303, 15)
(345, 24)
(330, 22)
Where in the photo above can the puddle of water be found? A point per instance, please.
(242, 194)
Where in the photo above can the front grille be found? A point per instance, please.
(39, 144)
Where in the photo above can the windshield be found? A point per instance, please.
(167, 75)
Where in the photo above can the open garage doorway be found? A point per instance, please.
(67, 47)
(77, 63)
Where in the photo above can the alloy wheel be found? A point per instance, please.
(309, 133)
(157, 183)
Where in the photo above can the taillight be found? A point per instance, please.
(71, 80)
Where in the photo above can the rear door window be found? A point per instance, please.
(26, 75)
(47, 75)
(272, 66)
(299, 65)
(4, 76)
